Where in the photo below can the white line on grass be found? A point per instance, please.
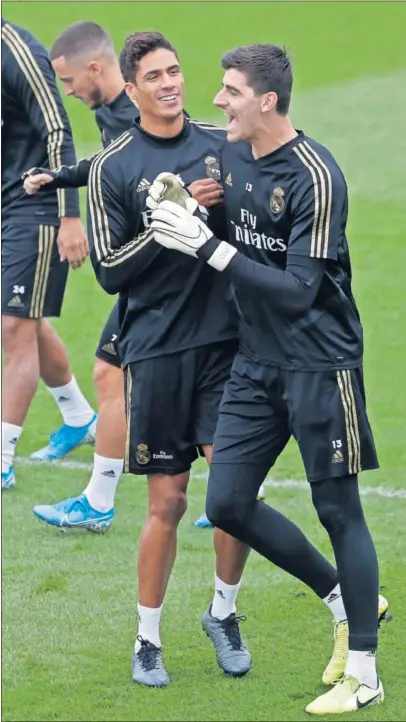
(71, 464)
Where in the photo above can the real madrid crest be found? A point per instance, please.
(212, 168)
(277, 200)
(143, 454)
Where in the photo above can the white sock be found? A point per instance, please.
(10, 433)
(261, 492)
(148, 625)
(335, 603)
(225, 596)
(362, 665)
(76, 411)
(101, 489)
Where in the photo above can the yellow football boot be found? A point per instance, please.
(336, 666)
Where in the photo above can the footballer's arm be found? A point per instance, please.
(34, 83)
(314, 239)
(118, 253)
(66, 176)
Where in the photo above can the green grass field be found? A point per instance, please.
(69, 600)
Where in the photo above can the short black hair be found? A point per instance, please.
(82, 38)
(136, 46)
(268, 69)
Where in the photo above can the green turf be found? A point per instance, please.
(69, 600)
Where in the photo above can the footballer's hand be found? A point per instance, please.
(167, 187)
(72, 242)
(207, 192)
(178, 229)
(34, 179)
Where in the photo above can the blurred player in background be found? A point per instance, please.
(40, 237)
(84, 59)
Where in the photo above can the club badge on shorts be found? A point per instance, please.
(143, 454)
(212, 168)
(277, 200)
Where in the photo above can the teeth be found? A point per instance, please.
(169, 97)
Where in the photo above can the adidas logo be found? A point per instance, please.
(13, 441)
(109, 348)
(229, 180)
(15, 302)
(143, 185)
(332, 597)
(338, 458)
(109, 473)
(220, 593)
(63, 398)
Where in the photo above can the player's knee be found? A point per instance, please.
(225, 507)
(169, 507)
(219, 511)
(109, 381)
(331, 516)
(18, 335)
(337, 503)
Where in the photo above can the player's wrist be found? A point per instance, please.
(67, 218)
(216, 253)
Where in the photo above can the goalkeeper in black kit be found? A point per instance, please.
(299, 367)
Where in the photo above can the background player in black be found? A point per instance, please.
(177, 337)
(84, 59)
(35, 129)
(299, 370)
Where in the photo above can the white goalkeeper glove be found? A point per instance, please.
(167, 187)
(170, 187)
(178, 229)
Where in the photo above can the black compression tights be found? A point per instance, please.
(339, 508)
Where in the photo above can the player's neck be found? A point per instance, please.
(114, 86)
(272, 137)
(162, 127)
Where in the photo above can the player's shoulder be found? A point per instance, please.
(116, 154)
(17, 39)
(312, 157)
(203, 129)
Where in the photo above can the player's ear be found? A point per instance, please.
(131, 91)
(268, 102)
(94, 68)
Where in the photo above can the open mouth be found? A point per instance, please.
(169, 98)
(232, 121)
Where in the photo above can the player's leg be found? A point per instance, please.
(156, 556)
(203, 521)
(24, 271)
(95, 506)
(158, 398)
(79, 419)
(329, 418)
(251, 433)
(220, 620)
(20, 379)
(111, 423)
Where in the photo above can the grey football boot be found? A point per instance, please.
(232, 653)
(148, 667)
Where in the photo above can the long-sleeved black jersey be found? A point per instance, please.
(112, 119)
(287, 216)
(35, 129)
(173, 303)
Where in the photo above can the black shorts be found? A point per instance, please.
(172, 407)
(324, 411)
(33, 277)
(107, 349)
